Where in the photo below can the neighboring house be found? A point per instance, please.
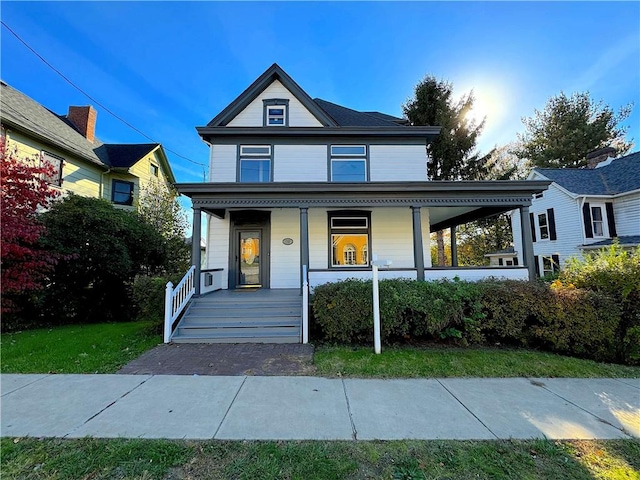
(299, 183)
(583, 209)
(84, 165)
(507, 257)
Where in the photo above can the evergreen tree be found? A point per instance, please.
(569, 128)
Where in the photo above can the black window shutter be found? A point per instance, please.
(552, 224)
(586, 214)
(515, 260)
(611, 221)
(500, 262)
(533, 227)
(556, 262)
(535, 261)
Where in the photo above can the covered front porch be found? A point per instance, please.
(300, 235)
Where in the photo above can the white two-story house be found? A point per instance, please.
(583, 209)
(302, 189)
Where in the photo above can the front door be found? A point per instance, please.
(249, 249)
(249, 259)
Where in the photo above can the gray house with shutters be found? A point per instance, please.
(303, 191)
(583, 209)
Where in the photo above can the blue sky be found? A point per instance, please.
(167, 67)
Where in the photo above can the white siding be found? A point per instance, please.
(569, 228)
(392, 236)
(300, 163)
(222, 163)
(394, 163)
(426, 236)
(319, 278)
(475, 274)
(626, 211)
(252, 115)
(318, 238)
(218, 246)
(285, 259)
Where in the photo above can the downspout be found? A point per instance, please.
(102, 181)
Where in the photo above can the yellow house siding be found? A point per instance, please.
(78, 176)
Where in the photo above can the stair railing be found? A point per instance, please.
(175, 299)
(305, 305)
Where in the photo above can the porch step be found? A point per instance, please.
(242, 317)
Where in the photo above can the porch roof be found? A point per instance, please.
(458, 201)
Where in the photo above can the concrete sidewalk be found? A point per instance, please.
(296, 408)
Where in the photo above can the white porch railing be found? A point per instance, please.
(305, 305)
(176, 299)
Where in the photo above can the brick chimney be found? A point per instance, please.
(600, 155)
(84, 118)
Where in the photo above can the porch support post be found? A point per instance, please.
(195, 247)
(527, 242)
(418, 251)
(454, 247)
(304, 241)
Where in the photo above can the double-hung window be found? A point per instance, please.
(276, 112)
(550, 265)
(122, 192)
(348, 163)
(597, 221)
(544, 226)
(254, 163)
(349, 239)
(54, 163)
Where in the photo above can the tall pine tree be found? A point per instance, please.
(453, 154)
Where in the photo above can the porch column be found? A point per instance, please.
(527, 242)
(195, 247)
(418, 251)
(454, 247)
(304, 240)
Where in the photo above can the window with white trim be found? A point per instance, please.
(254, 164)
(349, 239)
(597, 221)
(55, 163)
(348, 163)
(550, 265)
(276, 112)
(543, 226)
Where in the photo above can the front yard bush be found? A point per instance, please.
(561, 319)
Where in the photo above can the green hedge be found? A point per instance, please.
(567, 320)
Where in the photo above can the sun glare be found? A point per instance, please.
(489, 103)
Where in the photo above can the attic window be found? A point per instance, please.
(276, 112)
(154, 170)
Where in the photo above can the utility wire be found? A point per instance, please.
(93, 99)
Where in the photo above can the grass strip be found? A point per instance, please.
(49, 459)
(92, 348)
(407, 362)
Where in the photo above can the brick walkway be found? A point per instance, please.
(224, 359)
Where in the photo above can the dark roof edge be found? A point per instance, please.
(318, 131)
(522, 186)
(164, 160)
(263, 81)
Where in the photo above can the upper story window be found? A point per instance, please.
(154, 170)
(349, 238)
(56, 163)
(597, 221)
(348, 163)
(276, 112)
(544, 226)
(254, 163)
(122, 192)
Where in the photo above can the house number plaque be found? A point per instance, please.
(287, 241)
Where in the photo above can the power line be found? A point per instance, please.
(93, 99)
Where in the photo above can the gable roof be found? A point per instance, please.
(274, 72)
(23, 113)
(20, 111)
(620, 176)
(347, 117)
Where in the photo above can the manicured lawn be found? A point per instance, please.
(49, 459)
(99, 348)
(459, 362)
